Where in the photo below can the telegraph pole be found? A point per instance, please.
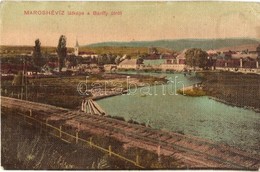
(22, 78)
(25, 79)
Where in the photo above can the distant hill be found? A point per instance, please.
(249, 47)
(181, 44)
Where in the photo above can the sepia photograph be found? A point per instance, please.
(128, 85)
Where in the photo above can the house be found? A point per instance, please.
(156, 63)
(153, 56)
(50, 66)
(168, 56)
(250, 63)
(243, 56)
(88, 55)
(212, 52)
(180, 59)
(177, 63)
(236, 63)
(128, 64)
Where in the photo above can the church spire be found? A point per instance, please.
(76, 48)
(77, 43)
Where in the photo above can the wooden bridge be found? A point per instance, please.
(194, 152)
(91, 107)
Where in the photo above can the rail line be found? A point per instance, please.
(195, 152)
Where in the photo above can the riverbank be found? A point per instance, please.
(234, 104)
(65, 91)
(236, 89)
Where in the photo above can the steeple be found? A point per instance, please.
(76, 48)
(77, 43)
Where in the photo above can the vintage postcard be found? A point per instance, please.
(130, 85)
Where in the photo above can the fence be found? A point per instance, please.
(77, 139)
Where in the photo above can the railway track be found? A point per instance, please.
(195, 152)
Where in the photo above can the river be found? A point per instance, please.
(202, 117)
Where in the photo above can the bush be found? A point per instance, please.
(192, 92)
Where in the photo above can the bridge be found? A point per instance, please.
(91, 107)
(192, 151)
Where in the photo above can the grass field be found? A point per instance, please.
(62, 91)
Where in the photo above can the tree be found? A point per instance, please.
(102, 59)
(196, 57)
(62, 51)
(37, 55)
(153, 50)
(140, 60)
(37, 49)
(258, 51)
(18, 79)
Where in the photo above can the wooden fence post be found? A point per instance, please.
(77, 137)
(41, 128)
(137, 159)
(90, 142)
(110, 150)
(78, 127)
(30, 112)
(46, 125)
(60, 131)
(159, 153)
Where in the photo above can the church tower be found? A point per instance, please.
(76, 48)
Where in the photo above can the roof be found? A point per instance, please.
(182, 55)
(86, 52)
(168, 56)
(153, 56)
(238, 56)
(129, 62)
(212, 52)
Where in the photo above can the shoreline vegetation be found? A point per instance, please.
(234, 89)
(192, 92)
(234, 105)
(58, 90)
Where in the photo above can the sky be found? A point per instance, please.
(139, 21)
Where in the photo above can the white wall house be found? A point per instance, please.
(128, 64)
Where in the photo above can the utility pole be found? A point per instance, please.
(22, 78)
(25, 79)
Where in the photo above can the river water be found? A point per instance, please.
(202, 117)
